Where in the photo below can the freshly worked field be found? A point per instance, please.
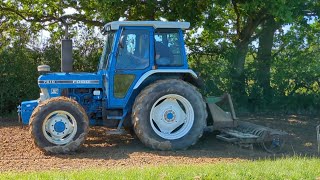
(18, 153)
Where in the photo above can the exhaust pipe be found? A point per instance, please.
(66, 50)
(66, 55)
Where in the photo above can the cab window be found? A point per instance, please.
(168, 48)
(104, 60)
(133, 51)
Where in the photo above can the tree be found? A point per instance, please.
(247, 21)
(292, 12)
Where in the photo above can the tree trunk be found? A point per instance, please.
(264, 60)
(237, 73)
(246, 34)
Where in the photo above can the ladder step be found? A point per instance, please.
(114, 117)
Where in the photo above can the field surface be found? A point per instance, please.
(18, 152)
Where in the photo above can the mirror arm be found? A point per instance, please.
(120, 37)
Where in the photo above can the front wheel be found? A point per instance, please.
(59, 125)
(169, 115)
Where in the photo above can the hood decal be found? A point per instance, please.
(68, 81)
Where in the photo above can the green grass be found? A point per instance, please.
(286, 168)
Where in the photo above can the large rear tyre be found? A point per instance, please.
(59, 125)
(169, 115)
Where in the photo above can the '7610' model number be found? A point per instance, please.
(49, 81)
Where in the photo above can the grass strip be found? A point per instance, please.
(283, 168)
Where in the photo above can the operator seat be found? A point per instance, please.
(166, 56)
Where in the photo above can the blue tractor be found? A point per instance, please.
(143, 82)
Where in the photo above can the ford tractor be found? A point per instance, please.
(143, 82)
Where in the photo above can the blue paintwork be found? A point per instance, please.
(91, 104)
(114, 102)
(169, 116)
(26, 110)
(78, 78)
(102, 80)
(59, 126)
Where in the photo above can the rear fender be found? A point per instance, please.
(160, 74)
(187, 75)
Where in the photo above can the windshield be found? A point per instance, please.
(106, 50)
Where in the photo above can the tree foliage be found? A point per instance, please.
(265, 53)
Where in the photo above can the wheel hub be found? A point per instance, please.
(59, 126)
(169, 116)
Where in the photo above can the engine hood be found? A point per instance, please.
(70, 80)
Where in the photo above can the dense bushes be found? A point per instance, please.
(18, 77)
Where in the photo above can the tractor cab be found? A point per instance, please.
(137, 51)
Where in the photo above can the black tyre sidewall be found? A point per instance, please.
(152, 93)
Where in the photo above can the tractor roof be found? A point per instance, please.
(156, 24)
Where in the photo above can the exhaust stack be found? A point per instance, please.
(66, 55)
(66, 50)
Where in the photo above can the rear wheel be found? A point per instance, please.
(169, 115)
(59, 125)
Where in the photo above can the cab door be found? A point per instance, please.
(134, 56)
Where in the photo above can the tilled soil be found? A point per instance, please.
(18, 152)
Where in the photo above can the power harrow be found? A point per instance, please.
(245, 134)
